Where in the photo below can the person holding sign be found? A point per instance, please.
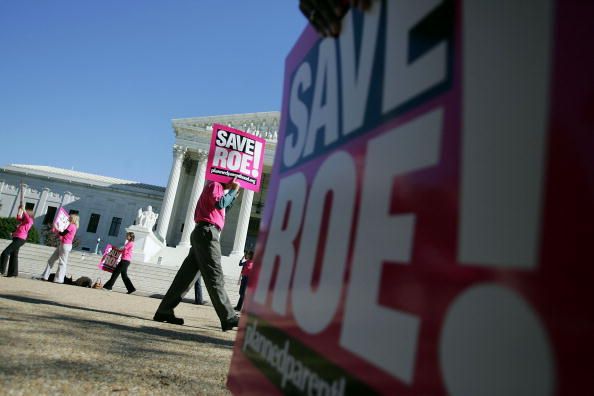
(122, 267)
(62, 251)
(204, 256)
(235, 153)
(19, 237)
(247, 264)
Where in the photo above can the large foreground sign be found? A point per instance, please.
(430, 209)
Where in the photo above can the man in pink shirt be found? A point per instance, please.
(19, 237)
(204, 256)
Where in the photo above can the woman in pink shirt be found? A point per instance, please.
(62, 251)
(19, 237)
(123, 265)
(247, 265)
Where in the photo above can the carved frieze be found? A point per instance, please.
(264, 125)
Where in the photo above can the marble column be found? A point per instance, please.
(39, 210)
(243, 222)
(196, 191)
(169, 198)
(1, 189)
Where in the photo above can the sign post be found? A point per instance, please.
(429, 213)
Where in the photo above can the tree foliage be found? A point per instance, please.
(9, 224)
(51, 239)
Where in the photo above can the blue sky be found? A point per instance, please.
(93, 85)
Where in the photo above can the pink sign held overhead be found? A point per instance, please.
(61, 221)
(235, 153)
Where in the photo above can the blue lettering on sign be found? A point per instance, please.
(386, 62)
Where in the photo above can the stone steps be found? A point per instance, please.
(149, 279)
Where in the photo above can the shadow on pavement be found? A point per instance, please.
(143, 330)
(31, 300)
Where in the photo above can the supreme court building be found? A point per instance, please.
(108, 206)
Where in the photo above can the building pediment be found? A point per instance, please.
(195, 133)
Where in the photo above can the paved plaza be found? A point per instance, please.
(60, 339)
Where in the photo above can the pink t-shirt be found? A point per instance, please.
(127, 251)
(247, 267)
(26, 222)
(206, 209)
(68, 238)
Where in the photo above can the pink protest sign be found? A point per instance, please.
(61, 220)
(110, 259)
(235, 153)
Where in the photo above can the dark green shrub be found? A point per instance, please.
(33, 235)
(9, 224)
(7, 227)
(51, 239)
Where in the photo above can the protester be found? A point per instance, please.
(122, 267)
(204, 256)
(247, 265)
(19, 237)
(62, 251)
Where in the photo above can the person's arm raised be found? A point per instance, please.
(325, 16)
(226, 200)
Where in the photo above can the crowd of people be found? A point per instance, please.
(203, 260)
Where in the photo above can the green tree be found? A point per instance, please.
(9, 224)
(33, 236)
(50, 238)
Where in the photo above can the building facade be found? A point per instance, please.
(187, 178)
(105, 205)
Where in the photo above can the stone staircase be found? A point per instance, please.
(149, 279)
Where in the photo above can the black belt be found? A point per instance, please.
(207, 224)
